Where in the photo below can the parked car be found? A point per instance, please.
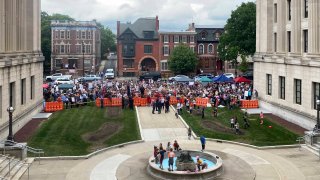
(229, 75)
(199, 76)
(63, 80)
(248, 75)
(53, 77)
(109, 74)
(177, 77)
(150, 75)
(89, 77)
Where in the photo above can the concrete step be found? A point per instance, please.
(23, 169)
(312, 149)
(7, 170)
(317, 145)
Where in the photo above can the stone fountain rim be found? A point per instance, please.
(216, 167)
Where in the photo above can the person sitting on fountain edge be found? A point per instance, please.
(176, 146)
(200, 164)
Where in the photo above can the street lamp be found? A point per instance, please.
(318, 109)
(10, 136)
(83, 50)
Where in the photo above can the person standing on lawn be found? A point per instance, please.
(203, 143)
(261, 117)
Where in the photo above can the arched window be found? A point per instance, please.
(210, 49)
(201, 49)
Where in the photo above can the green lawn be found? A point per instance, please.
(62, 133)
(256, 134)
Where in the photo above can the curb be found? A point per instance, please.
(238, 143)
(98, 151)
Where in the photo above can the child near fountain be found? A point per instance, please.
(161, 152)
(155, 154)
(171, 157)
(200, 164)
(176, 146)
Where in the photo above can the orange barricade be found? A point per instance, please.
(249, 104)
(53, 106)
(106, 102)
(202, 102)
(143, 102)
(98, 102)
(136, 101)
(173, 100)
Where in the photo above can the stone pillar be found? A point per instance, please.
(314, 26)
(296, 27)
(2, 26)
(281, 28)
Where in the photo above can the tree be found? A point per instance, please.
(239, 37)
(108, 40)
(182, 60)
(46, 37)
(243, 67)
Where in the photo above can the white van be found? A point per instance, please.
(109, 74)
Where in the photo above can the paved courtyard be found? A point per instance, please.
(130, 161)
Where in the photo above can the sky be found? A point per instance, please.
(174, 15)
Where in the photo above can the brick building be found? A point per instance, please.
(141, 47)
(138, 46)
(76, 47)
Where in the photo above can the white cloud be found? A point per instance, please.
(173, 14)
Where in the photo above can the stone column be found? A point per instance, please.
(314, 26)
(2, 26)
(281, 28)
(296, 27)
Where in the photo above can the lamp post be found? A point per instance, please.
(83, 50)
(318, 109)
(10, 136)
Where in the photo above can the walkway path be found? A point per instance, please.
(130, 161)
(164, 126)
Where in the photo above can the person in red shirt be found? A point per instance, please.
(176, 146)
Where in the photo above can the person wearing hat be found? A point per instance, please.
(201, 165)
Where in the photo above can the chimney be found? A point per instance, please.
(118, 28)
(157, 23)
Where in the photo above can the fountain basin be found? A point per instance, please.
(214, 167)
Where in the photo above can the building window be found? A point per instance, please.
(305, 41)
(210, 48)
(148, 49)
(166, 50)
(316, 94)
(68, 48)
(184, 39)
(12, 94)
(89, 34)
(68, 34)
(203, 35)
(176, 39)
(32, 85)
(165, 38)
(217, 35)
(289, 40)
(164, 66)
(87, 63)
(192, 48)
(275, 42)
(306, 8)
(275, 13)
(78, 34)
(62, 34)
(128, 63)
(62, 51)
(78, 49)
(289, 10)
(282, 86)
(56, 34)
(297, 89)
(73, 63)
(269, 84)
(83, 35)
(191, 39)
(23, 91)
(58, 64)
(88, 49)
(201, 49)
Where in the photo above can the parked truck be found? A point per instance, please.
(109, 74)
(54, 77)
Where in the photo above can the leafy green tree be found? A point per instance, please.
(243, 66)
(46, 37)
(182, 60)
(239, 37)
(108, 40)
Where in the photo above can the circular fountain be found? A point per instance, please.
(185, 166)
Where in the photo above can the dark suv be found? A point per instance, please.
(150, 75)
(248, 75)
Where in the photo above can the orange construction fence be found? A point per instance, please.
(53, 106)
(136, 101)
(107, 102)
(249, 104)
(173, 100)
(143, 102)
(202, 102)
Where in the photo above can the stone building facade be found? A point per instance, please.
(287, 59)
(21, 62)
(76, 47)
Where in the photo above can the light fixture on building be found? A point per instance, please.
(10, 136)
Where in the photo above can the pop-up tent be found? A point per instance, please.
(222, 78)
(242, 79)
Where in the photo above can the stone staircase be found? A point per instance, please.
(12, 168)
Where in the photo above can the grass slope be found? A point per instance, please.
(62, 134)
(257, 134)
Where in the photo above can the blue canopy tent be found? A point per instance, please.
(222, 78)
